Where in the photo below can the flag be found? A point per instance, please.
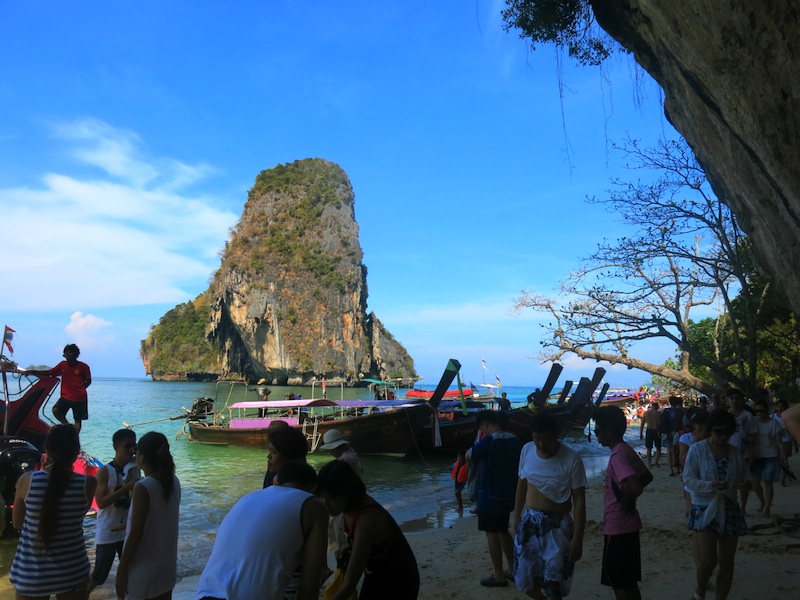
(483, 362)
(8, 336)
(323, 385)
(496, 376)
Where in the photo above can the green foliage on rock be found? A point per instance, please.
(285, 234)
(566, 23)
(177, 346)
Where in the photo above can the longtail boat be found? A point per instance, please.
(457, 431)
(24, 432)
(372, 427)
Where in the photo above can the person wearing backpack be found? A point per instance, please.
(626, 478)
(669, 423)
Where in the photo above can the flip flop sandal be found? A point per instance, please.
(492, 582)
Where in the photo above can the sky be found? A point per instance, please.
(130, 134)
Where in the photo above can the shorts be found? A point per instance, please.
(492, 522)
(460, 486)
(651, 438)
(734, 520)
(667, 439)
(541, 545)
(622, 561)
(80, 410)
(765, 469)
(104, 558)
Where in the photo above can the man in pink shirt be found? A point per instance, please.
(626, 478)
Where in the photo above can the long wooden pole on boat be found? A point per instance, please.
(7, 402)
(175, 418)
(450, 373)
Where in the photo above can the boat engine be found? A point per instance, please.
(202, 408)
(17, 456)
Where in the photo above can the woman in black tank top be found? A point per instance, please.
(377, 547)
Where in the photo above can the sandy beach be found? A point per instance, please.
(452, 560)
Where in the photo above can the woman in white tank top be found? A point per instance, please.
(149, 565)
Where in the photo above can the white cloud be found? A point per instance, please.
(488, 309)
(129, 238)
(88, 331)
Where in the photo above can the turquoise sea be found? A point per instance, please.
(418, 491)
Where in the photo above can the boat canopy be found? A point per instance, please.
(378, 403)
(284, 403)
(379, 382)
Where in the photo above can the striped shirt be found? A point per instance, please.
(64, 564)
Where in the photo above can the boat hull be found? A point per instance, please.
(459, 434)
(388, 432)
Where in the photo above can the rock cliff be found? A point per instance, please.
(731, 82)
(289, 300)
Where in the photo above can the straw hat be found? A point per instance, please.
(332, 439)
(262, 380)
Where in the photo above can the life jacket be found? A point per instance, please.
(459, 472)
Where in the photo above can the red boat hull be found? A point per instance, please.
(426, 395)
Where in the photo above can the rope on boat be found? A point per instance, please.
(414, 437)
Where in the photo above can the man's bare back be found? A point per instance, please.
(651, 417)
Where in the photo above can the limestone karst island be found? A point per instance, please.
(289, 300)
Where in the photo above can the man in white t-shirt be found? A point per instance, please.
(549, 512)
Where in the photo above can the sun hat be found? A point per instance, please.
(332, 439)
(262, 380)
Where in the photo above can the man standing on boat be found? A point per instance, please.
(75, 378)
(263, 392)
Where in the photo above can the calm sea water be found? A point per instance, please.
(417, 491)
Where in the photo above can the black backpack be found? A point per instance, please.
(666, 422)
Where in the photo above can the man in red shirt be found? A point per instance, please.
(75, 378)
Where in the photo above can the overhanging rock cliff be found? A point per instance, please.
(289, 301)
(731, 82)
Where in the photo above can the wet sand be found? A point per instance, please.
(452, 560)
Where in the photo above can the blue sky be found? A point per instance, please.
(131, 132)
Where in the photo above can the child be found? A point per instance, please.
(459, 475)
(626, 477)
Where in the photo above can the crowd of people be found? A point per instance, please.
(722, 448)
(530, 501)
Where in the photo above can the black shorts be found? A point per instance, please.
(492, 522)
(80, 410)
(651, 436)
(622, 561)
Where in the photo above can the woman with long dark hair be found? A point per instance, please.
(375, 543)
(148, 568)
(49, 507)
